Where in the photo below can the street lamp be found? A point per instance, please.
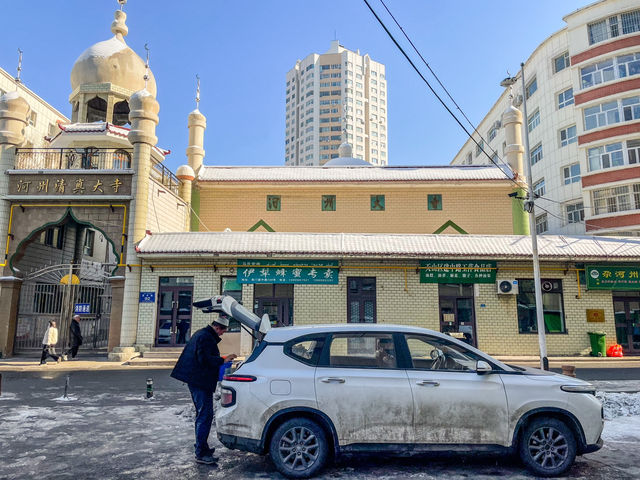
(529, 206)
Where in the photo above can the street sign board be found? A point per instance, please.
(147, 297)
(80, 308)
(288, 271)
(457, 271)
(613, 277)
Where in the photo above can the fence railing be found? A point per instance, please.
(73, 158)
(89, 158)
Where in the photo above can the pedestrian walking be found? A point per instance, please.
(49, 343)
(75, 338)
(199, 367)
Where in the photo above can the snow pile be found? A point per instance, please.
(619, 404)
(188, 412)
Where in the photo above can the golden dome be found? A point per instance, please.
(112, 61)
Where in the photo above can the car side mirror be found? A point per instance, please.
(482, 367)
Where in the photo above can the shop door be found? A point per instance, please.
(457, 318)
(361, 300)
(627, 316)
(276, 308)
(174, 315)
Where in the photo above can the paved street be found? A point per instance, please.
(108, 426)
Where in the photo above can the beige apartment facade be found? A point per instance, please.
(339, 96)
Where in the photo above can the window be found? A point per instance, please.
(571, 173)
(427, 353)
(533, 121)
(306, 349)
(565, 98)
(363, 350)
(273, 203)
(568, 135)
(361, 300)
(616, 199)
(552, 306)
(434, 202)
(538, 188)
(628, 65)
(575, 213)
(610, 27)
(89, 239)
(328, 203)
(53, 237)
(633, 151)
(536, 154)
(377, 202)
(230, 286)
(493, 132)
(541, 223)
(479, 148)
(469, 160)
(531, 88)
(33, 118)
(561, 62)
(53, 130)
(606, 156)
(601, 115)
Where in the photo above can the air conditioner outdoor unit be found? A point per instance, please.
(507, 287)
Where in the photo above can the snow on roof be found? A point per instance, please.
(351, 174)
(515, 247)
(103, 49)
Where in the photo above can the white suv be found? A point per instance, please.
(306, 394)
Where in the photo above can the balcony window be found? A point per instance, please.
(611, 27)
(616, 199)
(601, 115)
(605, 156)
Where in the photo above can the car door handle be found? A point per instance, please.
(428, 383)
(332, 380)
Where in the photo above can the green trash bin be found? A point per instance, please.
(598, 344)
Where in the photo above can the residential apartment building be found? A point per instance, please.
(582, 88)
(43, 117)
(332, 94)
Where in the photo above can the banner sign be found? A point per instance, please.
(618, 277)
(454, 271)
(288, 271)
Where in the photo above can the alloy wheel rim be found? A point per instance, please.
(548, 447)
(298, 448)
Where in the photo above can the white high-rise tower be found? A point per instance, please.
(327, 94)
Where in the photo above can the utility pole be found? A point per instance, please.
(529, 206)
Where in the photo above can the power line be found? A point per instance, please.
(436, 94)
(442, 85)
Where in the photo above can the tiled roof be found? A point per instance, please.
(351, 174)
(556, 247)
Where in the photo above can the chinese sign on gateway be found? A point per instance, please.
(618, 277)
(288, 271)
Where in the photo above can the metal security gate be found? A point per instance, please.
(52, 294)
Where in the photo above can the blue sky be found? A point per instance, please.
(242, 50)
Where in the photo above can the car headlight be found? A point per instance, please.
(588, 388)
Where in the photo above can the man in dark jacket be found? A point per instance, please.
(75, 338)
(199, 367)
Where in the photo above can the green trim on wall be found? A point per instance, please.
(520, 218)
(450, 223)
(263, 224)
(195, 210)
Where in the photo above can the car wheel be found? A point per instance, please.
(547, 446)
(299, 448)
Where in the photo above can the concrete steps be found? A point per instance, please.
(157, 357)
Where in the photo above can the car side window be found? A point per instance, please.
(365, 350)
(431, 353)
(305, 349)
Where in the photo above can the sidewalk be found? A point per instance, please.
(583, 362)
(81, 363)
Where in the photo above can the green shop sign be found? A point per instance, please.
(288, 271)
(610, 277)
(474, 271)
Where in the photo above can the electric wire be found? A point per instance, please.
(415, 49)
(442, 102)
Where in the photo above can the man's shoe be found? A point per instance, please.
(64, 357)
(206, 459)
(43, 363)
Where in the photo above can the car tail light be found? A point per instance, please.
(227, 397)
(239, 378)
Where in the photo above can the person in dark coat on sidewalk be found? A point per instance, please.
(75, 338)
(199, 367)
